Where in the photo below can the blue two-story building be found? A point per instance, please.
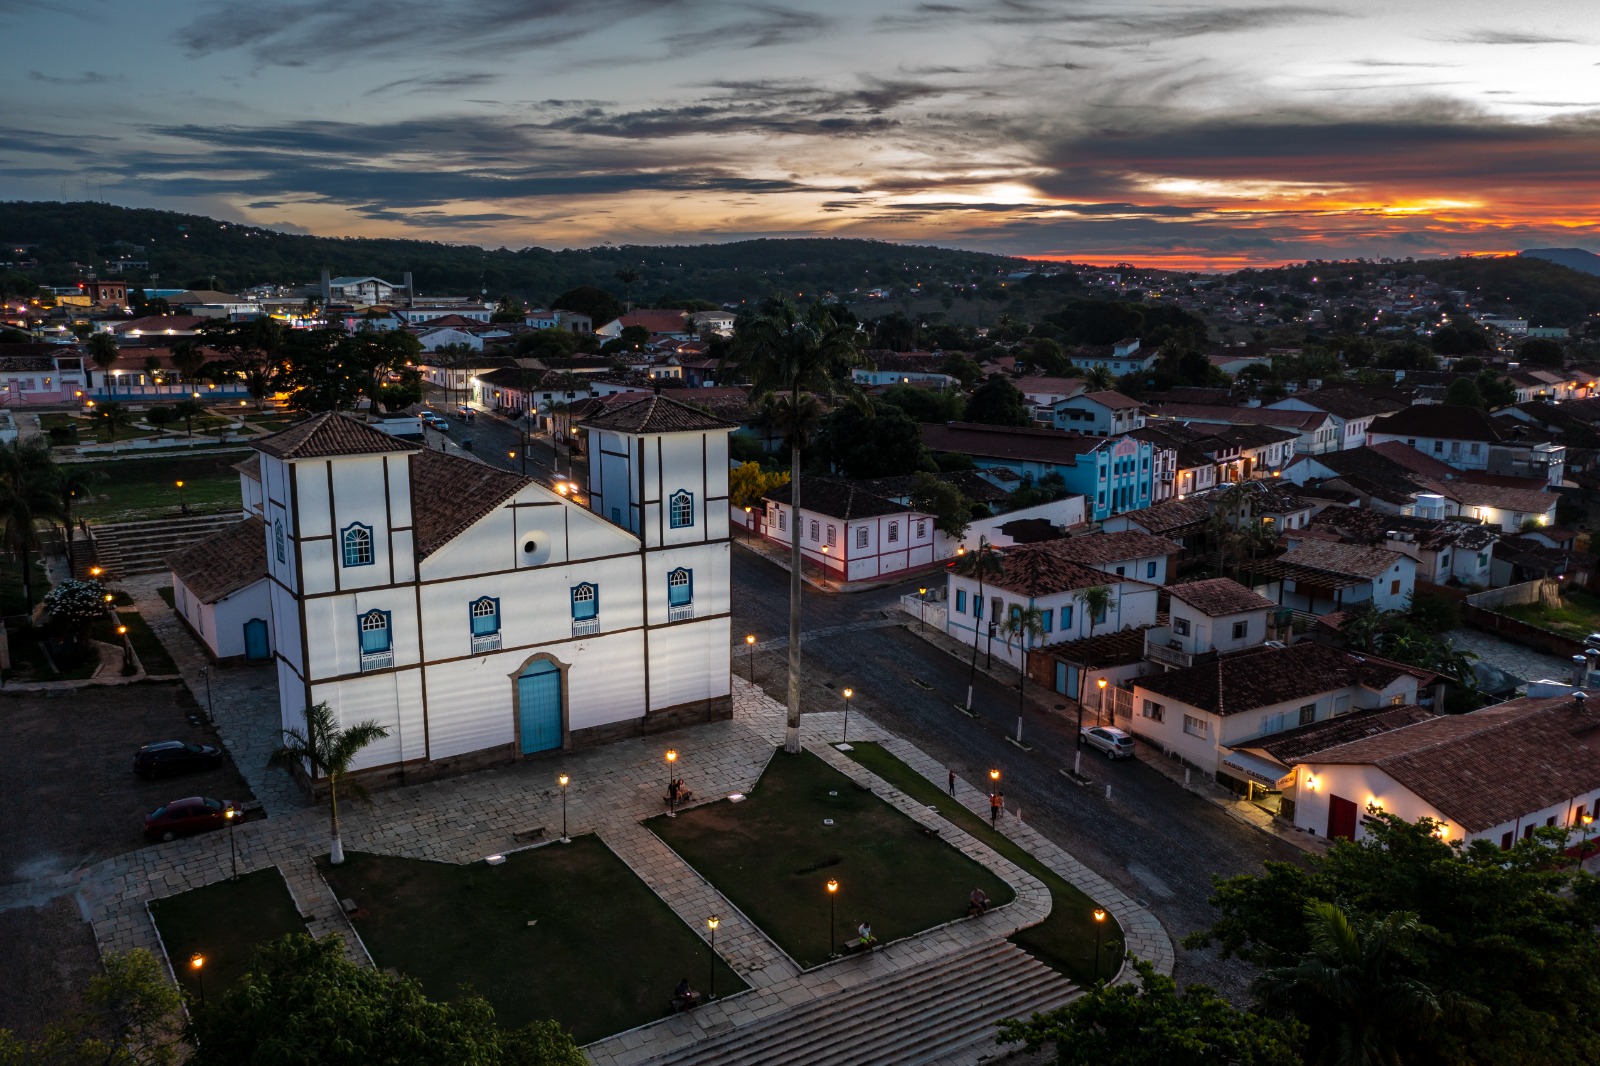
(1113, 474)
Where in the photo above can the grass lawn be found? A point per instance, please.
(146, 487)
(772, 856)
(146, 645)
(225, 922)
(564, 931)
(166, 593)
(1065, 940)
(12, 602)
(1577, 617)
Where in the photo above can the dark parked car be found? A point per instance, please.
(196, 814)
(175, 757)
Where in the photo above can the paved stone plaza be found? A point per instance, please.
(613, 790)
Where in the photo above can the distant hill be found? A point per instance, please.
(1575, 258)
(188, 250)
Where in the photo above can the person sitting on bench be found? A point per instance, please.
(977, 903)
(684, 997)
(864, 933)
(677, 795)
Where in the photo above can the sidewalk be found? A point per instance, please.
(780, 556)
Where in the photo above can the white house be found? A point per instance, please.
(479, 616)
(850, 533)
(219, 588)
(1131, 553)
(1467, 439)
(1321, 577)
(446, 336)
(1201, 714)
(1123, 357)
(1209, 617)
(1106, 414)
(1040, 576)
(1496, 774)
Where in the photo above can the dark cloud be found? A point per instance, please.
(761, 26)
(426, 83)
(88, 77)
(1493, 36)
(1115, 27)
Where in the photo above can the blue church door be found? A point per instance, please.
(255, 640)
(539, 706)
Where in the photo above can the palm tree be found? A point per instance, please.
(1353, 990)
(188, 410)
(1254, 538)
(782, 351)
(1026, 624)
(27, 476)
(627, 275)
(1095, 601)
(103, 353)
(71, 486)
(1099, 379)
(116, 417)
(325, 750)
(983, 565)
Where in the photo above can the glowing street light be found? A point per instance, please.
(847, 694)
(833, 892)
(1099, 924)
(197, 965)
(562, 781)
(711, 982)
(750, 643)
(672, 792)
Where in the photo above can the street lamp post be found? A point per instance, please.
(833, 891)
(205, 672)
(197, 963)
(824, 566)
(711, 981)
(845, 737)
(1099, 923)
(183, 504)
(750, 642)
(922, 609)
(232, 814)
(1100, 711)
(988, 651)
(562, 780)
(127, 650)
(1583, 852)
(672, 793)
(748, 525)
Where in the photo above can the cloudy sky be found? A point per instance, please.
(1205, 134)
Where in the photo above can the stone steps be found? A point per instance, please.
(128, 549)
(942, 1012)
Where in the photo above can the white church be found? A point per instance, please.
(478, 615)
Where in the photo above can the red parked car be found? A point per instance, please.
(196, 814)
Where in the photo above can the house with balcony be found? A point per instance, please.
(1106, 414)
(1113, 474)
(1467, 439)
(1447, 550)
(1316, 432)
(1323, 577)
(481, 617)
(1212, 617)
(1131, 553)
(1209, 714)
(849, 533)
(1352, 412)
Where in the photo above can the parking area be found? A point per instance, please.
(71, 795)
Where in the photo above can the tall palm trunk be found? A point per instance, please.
(791, 740)
(335, 853)
(972, 670)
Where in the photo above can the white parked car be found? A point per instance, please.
(1108, 739)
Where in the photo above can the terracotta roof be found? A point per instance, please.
(658, 321)
(1266, 676)
(1490, 766)
(1113, 400)
(1262, 416)
(972, 486)
(224, 562)
(1043, 570)
(330, 434)
(1445, 421)
(1470, 494)
(835, 498)
(1349, 560)
(724, 401)
(160, 324)
(1219, 596)
(251, 467)
(1096, 548)
(1120, 648)
(1346, 404)
(649, 413)
(1171, 517)
(1408, 457)
(1305, 740)
(1009, 442)
(449, 494)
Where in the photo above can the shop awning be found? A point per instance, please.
(1262, 771)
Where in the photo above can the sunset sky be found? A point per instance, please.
(1208, 135)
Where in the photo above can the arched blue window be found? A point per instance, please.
(277, 540)
(485, 613)
(374, 632)
(585, 601)
(357, 541)
(680, 587)
(680, 509)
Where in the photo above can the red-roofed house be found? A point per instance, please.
(669, 323)
(1107, 414)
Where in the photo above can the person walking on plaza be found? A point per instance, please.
(997, 802)
(952, 781)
